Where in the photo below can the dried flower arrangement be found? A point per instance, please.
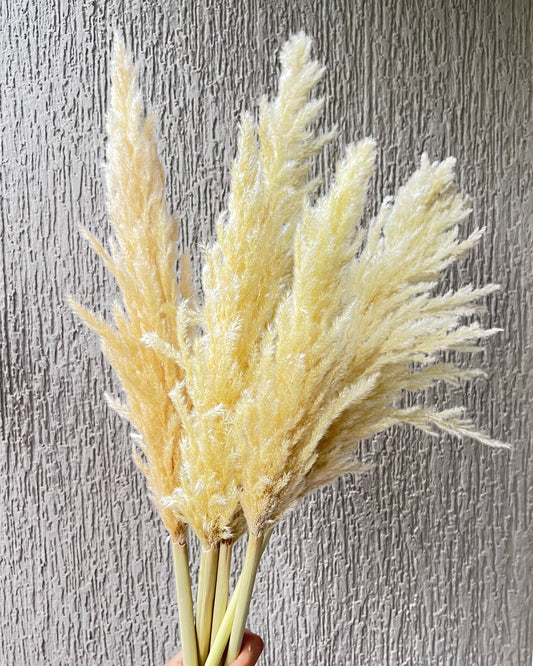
(312, 325)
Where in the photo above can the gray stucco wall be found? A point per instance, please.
(425, 560)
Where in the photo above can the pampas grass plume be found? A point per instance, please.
(142, 258)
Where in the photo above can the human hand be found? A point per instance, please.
(252, 646)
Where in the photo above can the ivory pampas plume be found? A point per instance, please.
(314, 322)
(142, 259)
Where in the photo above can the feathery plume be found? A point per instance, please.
(142, 259)
(247, 270)
(359, 325)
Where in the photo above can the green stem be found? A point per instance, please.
(222, 588)
(204, 601)
(185, 610)
(223, 634)
(251, 562)
(221, 640)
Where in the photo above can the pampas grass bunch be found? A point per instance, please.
(314, 322)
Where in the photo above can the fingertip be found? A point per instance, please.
(255, 644)
(251, 649)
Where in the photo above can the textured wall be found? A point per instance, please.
(425, 560)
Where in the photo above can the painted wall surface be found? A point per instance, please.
(425, 560)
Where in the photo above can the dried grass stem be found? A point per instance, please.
(222, 587)
(185, 608)
(251, 563)
(204, 602)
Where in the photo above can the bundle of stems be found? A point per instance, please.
(316, 319)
